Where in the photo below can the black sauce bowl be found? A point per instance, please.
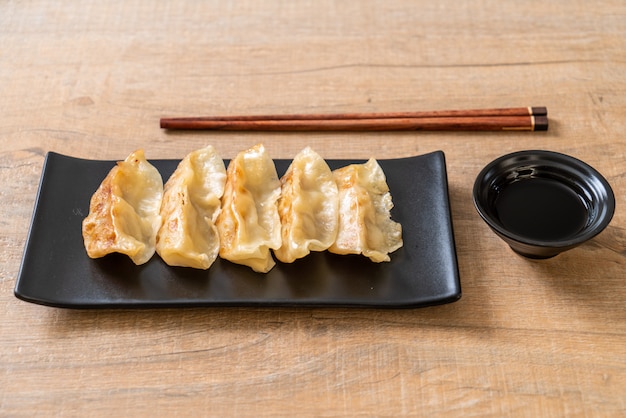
(542, 203)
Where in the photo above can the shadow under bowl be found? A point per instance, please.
(542, 203)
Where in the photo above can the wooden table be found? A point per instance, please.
(528, 338)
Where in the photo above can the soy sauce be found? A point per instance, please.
(541, 209)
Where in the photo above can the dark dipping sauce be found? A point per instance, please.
(541, 209)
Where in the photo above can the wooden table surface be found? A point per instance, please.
(528, 338)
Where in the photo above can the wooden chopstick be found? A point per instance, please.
(522, 118)
(511, 111)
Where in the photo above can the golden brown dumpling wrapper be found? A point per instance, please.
(308, 207)
(249, 224)
(191, 202)
(124, 211)
(365, 224)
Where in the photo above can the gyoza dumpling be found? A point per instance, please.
(191, 202)
(248, 224)
(365, 224)
(308, 207)
(124, 211)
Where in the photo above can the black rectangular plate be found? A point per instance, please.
(56, 270)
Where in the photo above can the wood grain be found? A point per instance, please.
(528, 338)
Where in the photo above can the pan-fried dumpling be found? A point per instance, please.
(365, 224)
(191, 202)
(249, 224)
(124, 211)
(308, 207)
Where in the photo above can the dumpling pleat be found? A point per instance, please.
(249, 224)
(308, 207)
(188, 236)
(124, 211)
(365, 224)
